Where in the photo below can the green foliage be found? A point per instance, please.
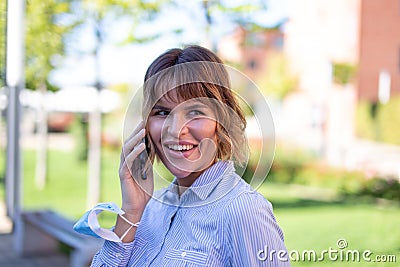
(365, 123)
(381, 188)
(238, 13)
(343, 73)
(388, 121)
(44, 43)
(49, 23)
(277, 80)
(381, 125)
(99, 13)
(302, 168)
(44, 35)
(287, 163)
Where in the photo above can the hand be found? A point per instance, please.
(136, 192)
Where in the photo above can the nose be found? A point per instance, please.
(176, 125)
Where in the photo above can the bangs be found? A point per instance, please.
(184, 82)
(186, 92)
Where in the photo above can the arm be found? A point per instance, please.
(254, 237)
(136, 193)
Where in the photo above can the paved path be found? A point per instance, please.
(8, 257)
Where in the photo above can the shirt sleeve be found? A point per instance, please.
(254, 237)
(116, 254)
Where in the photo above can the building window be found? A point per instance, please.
(399, 60)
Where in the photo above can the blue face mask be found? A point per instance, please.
(89, 224)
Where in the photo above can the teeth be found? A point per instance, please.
(180, 147)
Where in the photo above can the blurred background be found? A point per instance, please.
(330, 71)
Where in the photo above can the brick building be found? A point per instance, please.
(364, 33)
(379, 42)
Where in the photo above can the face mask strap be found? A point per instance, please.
(130, 227)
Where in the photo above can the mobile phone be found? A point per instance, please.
(143, 159)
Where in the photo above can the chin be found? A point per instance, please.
(182, 169)
(178, 173)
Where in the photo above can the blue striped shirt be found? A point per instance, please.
(218, 221)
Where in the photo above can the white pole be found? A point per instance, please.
(15, 82)
(94, 156)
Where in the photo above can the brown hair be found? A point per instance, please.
(196, 72)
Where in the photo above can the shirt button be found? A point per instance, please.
(183, 254)
(117, 254)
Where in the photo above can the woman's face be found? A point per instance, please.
(184, 134)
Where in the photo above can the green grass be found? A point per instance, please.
(311, 218)
(363, 228)
(312, 224)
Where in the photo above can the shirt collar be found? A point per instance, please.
(206, 182)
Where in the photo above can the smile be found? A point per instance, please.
(180, 147)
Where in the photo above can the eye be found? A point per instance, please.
(196, 113)
(160, 112)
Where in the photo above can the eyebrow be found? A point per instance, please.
(197, 105)
(160, 107)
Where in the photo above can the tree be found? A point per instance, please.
(44, 48)
(227, 12)
(45, 33)
(97, 14)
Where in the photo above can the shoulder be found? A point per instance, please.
(249, 214)
(245, 202)
(248, 203)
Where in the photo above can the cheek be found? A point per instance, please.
(154, 127)
(203, 129)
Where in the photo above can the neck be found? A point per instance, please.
(186, 182)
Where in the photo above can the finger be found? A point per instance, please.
(139, 127)
(134, 153)
(134, 141)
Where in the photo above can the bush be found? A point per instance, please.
(299, 167)
(288, 164)
(379, 122)
(388, 121)
(343, 73)
(381, 188)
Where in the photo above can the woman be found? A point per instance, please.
(208, 216)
